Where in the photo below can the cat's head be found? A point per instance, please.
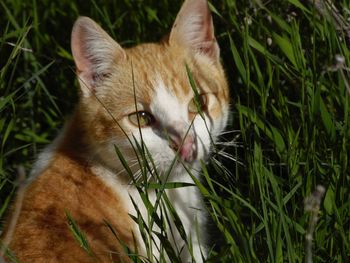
(144, 92)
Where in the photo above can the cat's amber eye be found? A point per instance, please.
(142, 118)
(201, 104)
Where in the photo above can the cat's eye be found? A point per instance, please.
(142, 118)
(198, 105)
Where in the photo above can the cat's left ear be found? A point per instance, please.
(193, 28)
(94, 53)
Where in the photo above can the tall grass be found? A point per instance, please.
(289, 126)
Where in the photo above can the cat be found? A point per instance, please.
(134, 102)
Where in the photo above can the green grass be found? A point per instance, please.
(289, 127)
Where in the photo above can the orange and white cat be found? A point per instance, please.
(140, 94)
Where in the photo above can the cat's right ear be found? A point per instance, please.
(193, 28)
(94, 53)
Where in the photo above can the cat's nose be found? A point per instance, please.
(188, 149)
(185, 146)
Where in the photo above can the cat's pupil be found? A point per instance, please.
(141, 118)
(198, 104)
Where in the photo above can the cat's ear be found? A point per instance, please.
(194, 28)
(94, 53)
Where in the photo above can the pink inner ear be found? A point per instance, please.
(94, 52)
(80, 53)
(194, 28)
(210, 48)
(80, 60)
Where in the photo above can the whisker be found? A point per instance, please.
(138, 176)
(229, 143)
(230, 157)
(229, 132)
(129, 165)
(223, 167)
(135, 177)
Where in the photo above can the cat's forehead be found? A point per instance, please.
(157, 67)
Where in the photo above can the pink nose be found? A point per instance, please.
(188, 147)
(188, 150)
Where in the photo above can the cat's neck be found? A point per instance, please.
(73, 142)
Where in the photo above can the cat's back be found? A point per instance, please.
(67, 186)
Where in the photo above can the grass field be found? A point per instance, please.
(289, 129)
